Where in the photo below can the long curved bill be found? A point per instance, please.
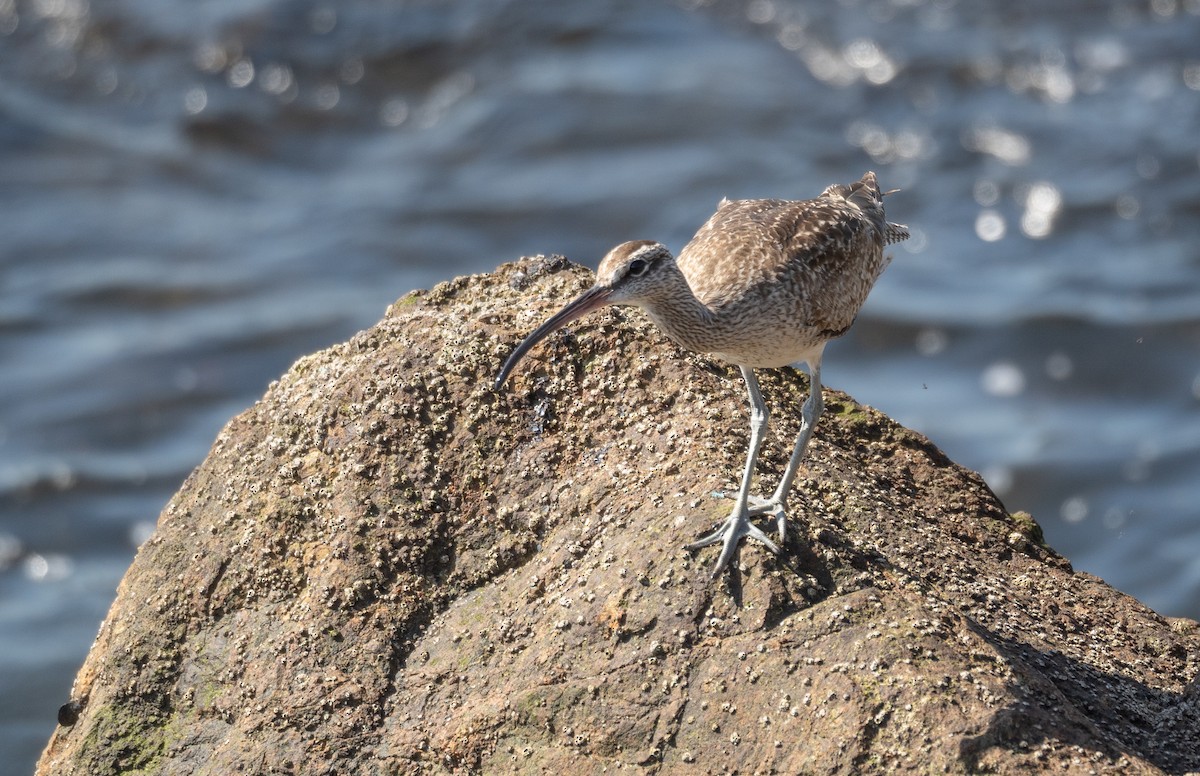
(592, 299)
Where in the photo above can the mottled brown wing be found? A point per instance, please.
(836, 257)
(811, 261)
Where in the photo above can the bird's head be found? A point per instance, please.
(630, 271)
(625, 276)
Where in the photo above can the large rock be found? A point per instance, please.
(384, 566)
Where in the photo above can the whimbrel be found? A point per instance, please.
(765, 283)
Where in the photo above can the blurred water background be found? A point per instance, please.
(194, 195)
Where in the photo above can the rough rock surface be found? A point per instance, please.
(384, 566)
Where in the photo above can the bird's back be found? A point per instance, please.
(781, 277)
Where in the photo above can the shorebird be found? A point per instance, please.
(765, 283)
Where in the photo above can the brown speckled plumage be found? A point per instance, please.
(764, 283)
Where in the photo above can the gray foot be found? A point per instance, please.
(764, 506)
(729, 534)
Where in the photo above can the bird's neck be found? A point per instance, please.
(673, 306)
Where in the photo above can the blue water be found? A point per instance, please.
(194, 195)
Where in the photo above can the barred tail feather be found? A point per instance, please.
(895, 233)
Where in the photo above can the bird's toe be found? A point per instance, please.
(771, 506)
(729, 535)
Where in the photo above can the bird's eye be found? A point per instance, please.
(638, 267)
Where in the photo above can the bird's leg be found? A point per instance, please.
(777, 503)
(738, 524)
